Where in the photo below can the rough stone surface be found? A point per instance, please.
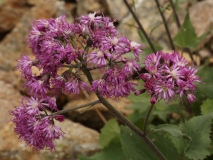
(14, 45)
(149, 17)
(10, 13)
(34, 2)
(77, 140)
(90, 117)
(201, 14)
(86, 6)
(9, 97)
(117, 9)
(16, 17)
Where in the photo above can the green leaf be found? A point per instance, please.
(207, 106)
(186, 36)
(171, 129)
(165, 145)
(143, 98)
(110, 131)
(207, 76)
(163, 109)
(113, 151)
(198, 128)
(196, 105)
(134, 147)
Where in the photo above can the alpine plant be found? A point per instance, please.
(91, 43)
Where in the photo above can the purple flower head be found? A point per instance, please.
(89, 19)
(114, 84)
(74, 85)
(99, 58)
(31, 127)
(64, 51)
(169, 75)
(25, 65)
(38, 86)
(136, 48)
(130, 66)
(49, 102)
(58, 82)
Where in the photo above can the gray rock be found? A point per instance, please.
(150, 18)
(86, 6)
(201, 14)
(78, 140)
(117, 9)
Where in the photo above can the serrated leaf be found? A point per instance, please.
(171, 129)
(198, 128)
(200, 97)
(110, 131)
(134, 147)
(162, 109)
(165, 145)
(113, 151)
(207, 106)
(186, 36)
(207, 76)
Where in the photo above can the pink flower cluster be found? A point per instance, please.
(169, 75)
(63, 51)
(34, 126)
(92, 42)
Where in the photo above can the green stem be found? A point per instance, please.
(147, 118)
(123, 119)
(165, 24)
(74, 108)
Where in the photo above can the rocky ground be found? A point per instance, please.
(81, 129)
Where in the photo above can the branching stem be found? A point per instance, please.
(175, 14)
(147, 118)
(74, 108)
(179, 25)
(123, 119)
(165, 24)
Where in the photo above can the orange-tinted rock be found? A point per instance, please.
(89, 116)
(11, 12)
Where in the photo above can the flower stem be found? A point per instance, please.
(175, 14)
(146, 119)
(134, 128)
(165, 24)
(123, 119)
(93, 68)
(140, 26)
(74, 108)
